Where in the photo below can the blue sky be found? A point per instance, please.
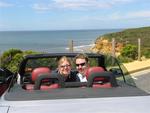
(73, 14)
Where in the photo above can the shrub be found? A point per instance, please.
(124, 59)
(12, 58)
(146, 53)
(129, 51)
(7, 57)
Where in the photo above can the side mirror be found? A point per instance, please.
(5, 78)
(5, 75)
(2, 80)
(2, 76)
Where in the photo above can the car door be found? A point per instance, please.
(5, 78)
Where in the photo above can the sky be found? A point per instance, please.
(73, 14)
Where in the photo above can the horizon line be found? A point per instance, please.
(65, 29)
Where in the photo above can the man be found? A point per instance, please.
(81, 61)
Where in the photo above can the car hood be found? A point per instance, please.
(138, 104)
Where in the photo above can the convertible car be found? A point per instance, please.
(35, 89)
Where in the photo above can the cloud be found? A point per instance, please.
(119, 1)
(119, 16)
(41, 7)
(89, 3)
(139, 14)
(4, 4)
(78, 4)
(144, 14)
(4, 26)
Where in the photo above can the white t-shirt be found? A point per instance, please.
(82, 78)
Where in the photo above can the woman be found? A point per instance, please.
(64, 70)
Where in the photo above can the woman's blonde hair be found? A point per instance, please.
(62, 59)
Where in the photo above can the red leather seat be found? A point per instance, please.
(98, 81)
(38, 71)
(94, 70)
(34, 75)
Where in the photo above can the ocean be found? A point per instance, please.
(50, 41)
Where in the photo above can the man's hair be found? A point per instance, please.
(82, 56)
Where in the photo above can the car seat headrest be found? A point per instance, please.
(91, 70)
(38, 71)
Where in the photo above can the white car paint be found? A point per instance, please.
(138, 104)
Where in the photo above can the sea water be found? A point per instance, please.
(49, 41)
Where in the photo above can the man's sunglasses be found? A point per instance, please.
(82, 64)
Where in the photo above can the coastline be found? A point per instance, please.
(82, 48)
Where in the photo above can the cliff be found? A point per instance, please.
(103, 45)
(128, 36)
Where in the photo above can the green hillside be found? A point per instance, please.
(131, 36)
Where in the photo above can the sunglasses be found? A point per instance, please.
(63, 66)
(82, 64)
